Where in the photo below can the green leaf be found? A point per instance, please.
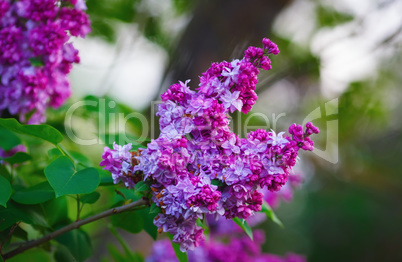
(203, 224)
(216, 182)
(44, 132)
(5, 191)
(244, 225)
(56, 211)
(8, 139)
(106, 181)
(154, 209)
(181, 256)
(149, 226)
(5, 173)
(36, 61)
(62, 254)
(29, 214)
(265, 208)
(131, 221)
(142, 187)
(65, 180)
(36, 194)
(90, 198)
(115, 254)
(78, 243)
(80, 158)
(19, 157)
(54, 153)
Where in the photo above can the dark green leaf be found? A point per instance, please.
(78, 243)
(90, 198)
(149, 226)
(181, 256)
(65, 180)
(36, 61)
(131, 221)
(19, 157)
(265, 208)
(26, 213)
(5, 173)
(8, 139)
(56, 211)
(37, 194)
(115, 254)
(106, 181)
(44, 132)
(54, 153)
(62, 254)
(5, 191)
(142, 187)
(216, 182)
(244, 225)
(154, 209)
(20, 233)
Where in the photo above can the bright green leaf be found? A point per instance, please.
(244, 225)
(90, 198)
(78, 243)
(5, 191)
(265, 208)
(37, 194)
(44, 132)
(181, 256)
(65, 180)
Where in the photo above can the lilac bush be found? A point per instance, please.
(36, 55)
(197, 165)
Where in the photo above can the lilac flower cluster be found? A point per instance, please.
(35, 57)
(235, 249)
(198, 165)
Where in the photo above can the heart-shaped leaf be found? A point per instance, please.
(64, 179)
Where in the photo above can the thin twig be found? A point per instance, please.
(75, 225)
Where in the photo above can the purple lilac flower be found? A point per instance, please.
(198, 166)
(35, 56)
(235, 248)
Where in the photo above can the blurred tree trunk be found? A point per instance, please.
(219, 30)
